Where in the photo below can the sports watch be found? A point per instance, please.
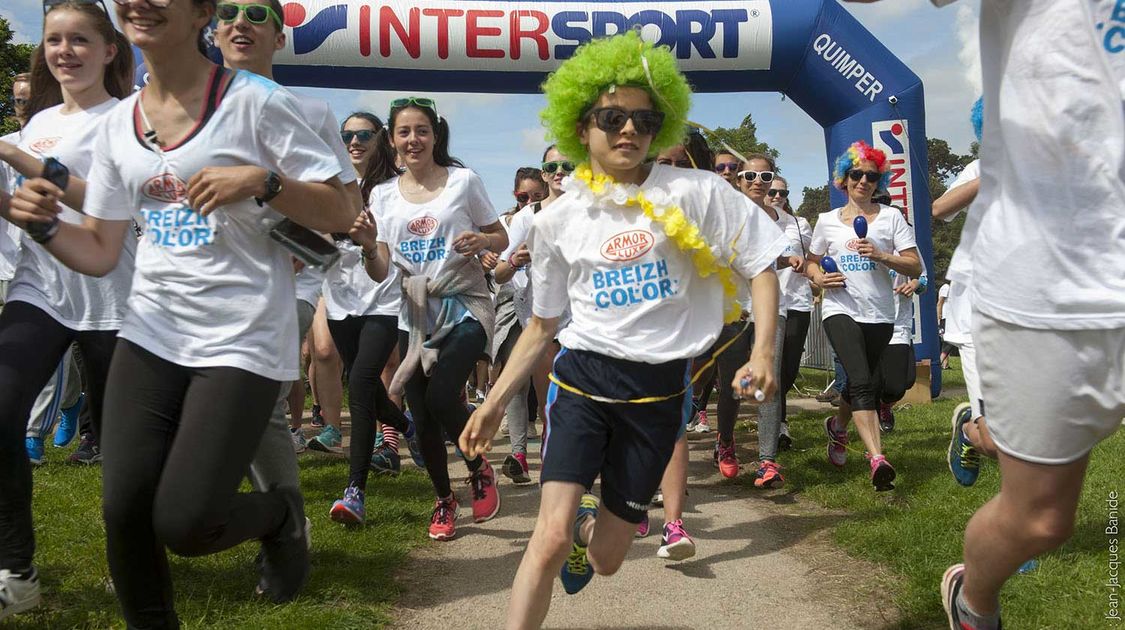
(273, 188)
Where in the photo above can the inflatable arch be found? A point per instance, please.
(812, 51)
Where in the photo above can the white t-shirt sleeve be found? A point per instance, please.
(549, 272)
(290, 146)
(943, 292)
(903, 233)
(480, 208)
(743, 232)
(819, 243)
(106, 195)
(968, 174)
(518, 231)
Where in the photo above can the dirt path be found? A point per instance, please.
(763, 561)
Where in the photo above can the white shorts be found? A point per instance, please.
(972, 378)
(1050, 395)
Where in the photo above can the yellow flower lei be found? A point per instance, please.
(683, 232)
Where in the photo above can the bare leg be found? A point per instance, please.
(674, 482)
(977, 432)
(329, 369)
(866, 425)
(546, 552)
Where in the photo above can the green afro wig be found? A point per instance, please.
(614, 61)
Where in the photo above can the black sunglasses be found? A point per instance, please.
(676, 163)
(778, 192)
(646, 122)
(255, 13)
(550, 167)
(50, 4)
(523, 198)
(723, 167)
(363, 135)
(870, 176)
(766, 176)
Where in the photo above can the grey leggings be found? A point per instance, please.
(769, 413)
(518, 411)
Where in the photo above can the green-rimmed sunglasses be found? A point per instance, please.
(418, 101)
(255, 13)
(550, 167)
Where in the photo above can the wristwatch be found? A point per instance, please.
(273, 188)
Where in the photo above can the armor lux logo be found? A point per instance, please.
(422, 225)
(44, 144)
(627, 245)
(853, 244)
(166, 187)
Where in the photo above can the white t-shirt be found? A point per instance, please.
(217, 290)
(1047, 251)
(76, 301)
(348, 290)
(9, 233)
(420, 235)
(868, 297)
(906, 311)
(632, 293)
(788, 225)
(798, 290)
(958, 312)
(518, 232)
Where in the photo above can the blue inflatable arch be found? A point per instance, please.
(812, 51)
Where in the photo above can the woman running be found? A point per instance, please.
(79, 71)
(436, 218)
(206, 343)
(363, 318)
(618, 398)
(859, 303)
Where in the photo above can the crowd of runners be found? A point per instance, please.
(166, 289)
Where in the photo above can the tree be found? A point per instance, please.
(14, 59)
(944, 165)
(814, 201)
(743, 138)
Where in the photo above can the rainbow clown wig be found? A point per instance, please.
(622, 60)
(859, 152)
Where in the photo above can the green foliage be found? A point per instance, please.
(944, 166)
(743, 138)
(14, 59)
(814, 201)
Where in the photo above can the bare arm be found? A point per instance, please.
(906, 262)
(956, 199)
(30, 167)
(759, 370)
(321, 206)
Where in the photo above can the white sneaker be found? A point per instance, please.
(299, 445)
(702, 425)
(17, 595)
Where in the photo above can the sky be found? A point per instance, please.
(496, 133)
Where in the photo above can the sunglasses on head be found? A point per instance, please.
(255, 13)
(417, 101)
(50, 4)
(523, 198)
(363, 135)
(19, 102)
(646, 122)
(566, 166)
(676, 163)
(765, 176)
(156, 4)
(778, 192)
(870, 176)
(723, 167)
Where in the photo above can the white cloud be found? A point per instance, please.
(968, 36)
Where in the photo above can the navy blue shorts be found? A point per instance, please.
(629, 445)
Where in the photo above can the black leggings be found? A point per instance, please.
(365, 343)
(727, 364)
(796, 330)
(31, 345)
(860, 348)
(177, 443)
(435, 400)
(897, 371)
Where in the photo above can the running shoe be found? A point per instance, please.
(34, 447)
(726, 459)
(350, 509)
(385, 461)
(299, 445)
(532, 432)
(768, 475)
(285, 553)
(837, 443)
(642, 528)
(68, 423)
(963, 457)
(486, 498)
(826, 396)
(443, 522)
(882, 473)
(951, 584)
(411, 435)
(784, 440)
(88, 451)
(317, 417)
(18, 594)
(515, 468)
(658, 498)
(886, 417)
(577, 572)
(676, 544)
(702, 425)
(328, 441)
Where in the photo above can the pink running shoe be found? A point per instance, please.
(642, 528)
(676, 544)
(486, 498)
(837, 443)
(443, 522)
(882, 473)
(702, 424)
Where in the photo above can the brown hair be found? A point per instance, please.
(760, 156)
(118, 79)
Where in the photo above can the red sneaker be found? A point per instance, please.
(768, 475)
(728, 460)
(443, 522)
(486, 498)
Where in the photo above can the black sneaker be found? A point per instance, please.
(951, 584)
(88, 451)
(317, 418)
(886, 418)
(285, 554)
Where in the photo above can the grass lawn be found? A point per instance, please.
(916, 530)
(351, 584)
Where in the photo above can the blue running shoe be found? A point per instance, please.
(963, 458)
(68, 423)
(328, 441)
(577, 572)
(34, 450)
(411, 435)
(349, 510)
(385, 461)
